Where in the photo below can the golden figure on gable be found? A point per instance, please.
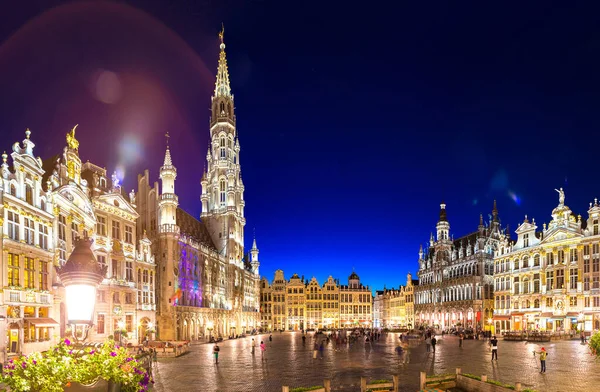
(71, 141)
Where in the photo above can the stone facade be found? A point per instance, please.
(549, 280)
(305, 304)
(206, 283)
(456, 276)
(394, 308)
(45, 207)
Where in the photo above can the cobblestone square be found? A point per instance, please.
(289, 362)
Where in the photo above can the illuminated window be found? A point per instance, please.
(74, 233)
(13, 269)
(129, 271)
(116, 230)
(29, 277)
(43, 275)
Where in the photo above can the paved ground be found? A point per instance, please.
(288, 362)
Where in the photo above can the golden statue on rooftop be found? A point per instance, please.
(72, 143)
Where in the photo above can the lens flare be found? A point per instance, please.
(514, 197)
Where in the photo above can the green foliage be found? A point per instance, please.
(379, 381)
(63, 364)
(594, 344)
(494, 382)
(306, 389)
(474, 377)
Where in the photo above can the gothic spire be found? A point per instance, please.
(222, 88)
(495, 212)
(168, 161)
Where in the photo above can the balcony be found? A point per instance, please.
(169, 197)
(168, 228)
(27, 296)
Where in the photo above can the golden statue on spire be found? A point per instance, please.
(72, 143)
(222, 32)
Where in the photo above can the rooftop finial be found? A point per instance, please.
(167, 137)
(27, 133)
(221, 34)
(4, 157)
(71, 141)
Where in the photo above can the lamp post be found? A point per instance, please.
(80, 276)
(210, 325)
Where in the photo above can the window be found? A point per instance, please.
(29, 276)
(525, 261)
(561, 256)
(13, 190)
(101, 227)
(525, 286)
(43, 275)
(129, 322)
(128, 298)
(586, 250)
(145, 276)
(62, 228)
(28, 194)
(595, 226)
(129, 234)
(586, 283)
(516, 267)
(549, 280)
(222, 189)
(573, 256)
(587, 302)
(516, 285)
(100, 324)
(116, 230)
(13, 225)
(101, 260)
(536, 283)
(596, 263)
(536, 260)
(29, 231)
(116, 298)
(586, 266)
(13, 269)
(560, 279)
(525, 240)
(573, 278)
(222, 153)
(536, 303)
(548, 302)
(43, 236)
(573, 301)
(596, 302)
(74, 233)
(42, 205)
(550, 258)
(129, 271)
(115, 269)
(101, 296)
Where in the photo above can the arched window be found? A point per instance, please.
(222, 108)
(223, 153)
(28, 194)
(525, 261)
(536, 303)
(13, 190)
(43, 205)
(222, 197)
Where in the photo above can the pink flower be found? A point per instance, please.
(67, 342)
(113, 354)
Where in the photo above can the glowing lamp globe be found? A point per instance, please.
(81, 275)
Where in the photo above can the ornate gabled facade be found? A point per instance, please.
(394, 308)
(549, 279)
(456, 276)
(206, 283)
(27, 251)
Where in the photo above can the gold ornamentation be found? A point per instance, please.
(71, 141)
(71, 170)
(222, 32)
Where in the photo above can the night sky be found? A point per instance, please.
(354, 121)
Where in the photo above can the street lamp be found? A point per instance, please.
(81, 275)
(210, 326)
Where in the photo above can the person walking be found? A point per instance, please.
(216, 350)
(543, 355)
(460, 339)
(263, 348)
(582, 337)
(270, 338)
(253, 346)
(303, 339)
(315, 349)
(428, 342)
(433, 342)
(154, 357)
(494, 345)
(321, 348)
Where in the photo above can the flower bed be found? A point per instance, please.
(63, 364)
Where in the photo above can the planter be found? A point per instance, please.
(99, 386)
